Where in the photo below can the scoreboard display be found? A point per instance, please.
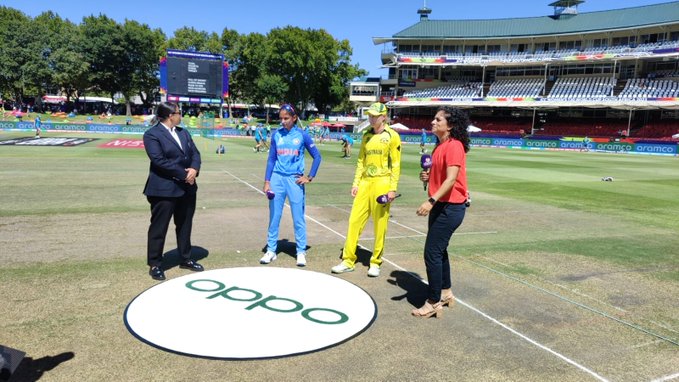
(194, 76)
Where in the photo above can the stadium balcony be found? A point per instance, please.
(641, 50)
(502, 125)
(584, 127)
(657, 130)
(415, 122)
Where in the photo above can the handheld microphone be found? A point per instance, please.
(270, 194)
(425, 163)
(384, 199)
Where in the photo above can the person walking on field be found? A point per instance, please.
(446, 206)
(377, 173)
(284, 178)
(38, 125)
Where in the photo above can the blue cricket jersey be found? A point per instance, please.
(286, 156)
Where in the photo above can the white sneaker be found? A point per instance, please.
(301, 259)
(341, 268)
(374, 271)
(268, 257)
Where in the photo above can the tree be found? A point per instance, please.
(105, 48)
(14, 52)
(196, 41)
(60, 41)
(315, 66)
(230, 41)
(144, 47)
(270, 88)
(250, 53)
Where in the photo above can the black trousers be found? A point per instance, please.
(162, 210)
(444, 219)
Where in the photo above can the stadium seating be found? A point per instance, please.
(582, 88)
(455, 90)
(642, 88)
(508, 88)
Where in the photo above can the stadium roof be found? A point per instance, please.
(617, 19)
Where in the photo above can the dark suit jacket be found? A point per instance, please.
(167, 173)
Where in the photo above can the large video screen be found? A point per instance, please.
(195, 75)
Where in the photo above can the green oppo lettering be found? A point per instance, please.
(225, 293)
(342, 317)
(263, 303)
(272, 303)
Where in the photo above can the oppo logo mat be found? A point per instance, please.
(248, 313)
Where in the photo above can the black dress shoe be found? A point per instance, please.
(157, 273)
(191, 265)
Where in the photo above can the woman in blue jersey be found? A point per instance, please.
(285, 178)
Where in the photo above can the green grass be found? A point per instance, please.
(73, 224)
(632, 220)
(644, 191)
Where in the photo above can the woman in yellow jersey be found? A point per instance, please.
(377, 173)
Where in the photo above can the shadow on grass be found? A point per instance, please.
(172, 259)
(287, 247)
(362, 256)
(31, 370)
(415, 290)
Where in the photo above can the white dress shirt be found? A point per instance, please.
(173, 132)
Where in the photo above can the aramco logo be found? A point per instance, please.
(250, 313)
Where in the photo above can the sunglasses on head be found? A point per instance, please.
(288, 108)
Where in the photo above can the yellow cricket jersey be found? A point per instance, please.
(380, 155)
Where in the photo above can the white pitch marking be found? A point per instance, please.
(468, 306)
(666, 378)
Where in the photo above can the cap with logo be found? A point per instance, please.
(377, 109)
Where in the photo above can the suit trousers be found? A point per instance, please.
(162, 210)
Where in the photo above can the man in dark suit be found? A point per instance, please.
(171, 187)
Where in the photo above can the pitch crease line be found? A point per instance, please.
(468, 306)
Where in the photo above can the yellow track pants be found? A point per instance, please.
(365, 205)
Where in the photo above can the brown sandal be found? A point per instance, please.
(428, 310)
(447, 298)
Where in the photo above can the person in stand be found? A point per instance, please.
(446, 206)
(377, 173)
(285, 178)
(171, 187)
(38, 125)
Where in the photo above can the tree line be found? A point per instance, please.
(50, 55)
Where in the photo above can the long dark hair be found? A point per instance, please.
(458, 121)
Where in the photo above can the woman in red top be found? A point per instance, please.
(446, 204)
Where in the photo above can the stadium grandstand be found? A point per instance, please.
(611, 73)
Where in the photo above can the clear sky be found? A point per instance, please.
(355, 20)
